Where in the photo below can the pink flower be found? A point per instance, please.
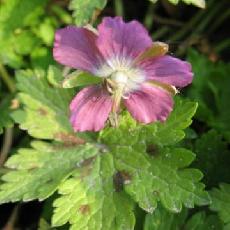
(135, 72)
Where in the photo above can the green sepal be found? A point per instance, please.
(79, 78)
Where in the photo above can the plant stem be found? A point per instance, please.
(161, 32)
(187, 27)
(167, 21)
(7, 79)
(7, 142)
(148, 20)
(219, 20)
(119, 9)
(10, 225)
(223, 45)
(208, 18)
(191, 24)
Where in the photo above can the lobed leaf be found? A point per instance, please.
(36, 173)
(162, 178)
(172, 131)
(153, 170)
(202, 221)
(161, 219)
(15, 16)
(221, 202)
(211, 90)
(85, 10)
(45, 109)
(88, 200)
(212, 151)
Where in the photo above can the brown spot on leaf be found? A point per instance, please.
(86, 167)
(88, 161)
(14, 104)
(85, 172)
(152, 150)
(84, 209)
(156, 193)
(49, 181)
(42, 112)
(69, 139)
(33, 167)
(120, 178)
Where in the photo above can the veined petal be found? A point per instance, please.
(169, 70)
(149, 104)
(90, 109)
(75, 47)
(119, 39)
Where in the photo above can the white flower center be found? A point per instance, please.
(123, 73)
(120, 78)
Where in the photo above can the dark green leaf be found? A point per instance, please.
(221, 202)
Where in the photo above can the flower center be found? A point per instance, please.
(122, 74)
(120, 78)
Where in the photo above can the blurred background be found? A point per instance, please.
(198, 35)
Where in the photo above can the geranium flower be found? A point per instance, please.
(135, 71)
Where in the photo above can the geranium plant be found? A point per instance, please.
(106, 128)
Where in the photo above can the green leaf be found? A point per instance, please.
(211, 90)
(79, 78)
(221, 202)
(162, 134)
(212, 152)
(172, 131)
(43, 225)
(46, 31)
(162, 178)
(36, 173)
(45, 109)
(161, 219)
(62, 14)
(15, 17)
(153, 171)
(25, 42)
(54, 76)
(88, 200)
(5, 119)
(85, 10)
(41, 57)
(201, 221)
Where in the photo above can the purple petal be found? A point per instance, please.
(119, 39)
(168, 70)
(149, 104)
(75, 47)
(90, 109)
